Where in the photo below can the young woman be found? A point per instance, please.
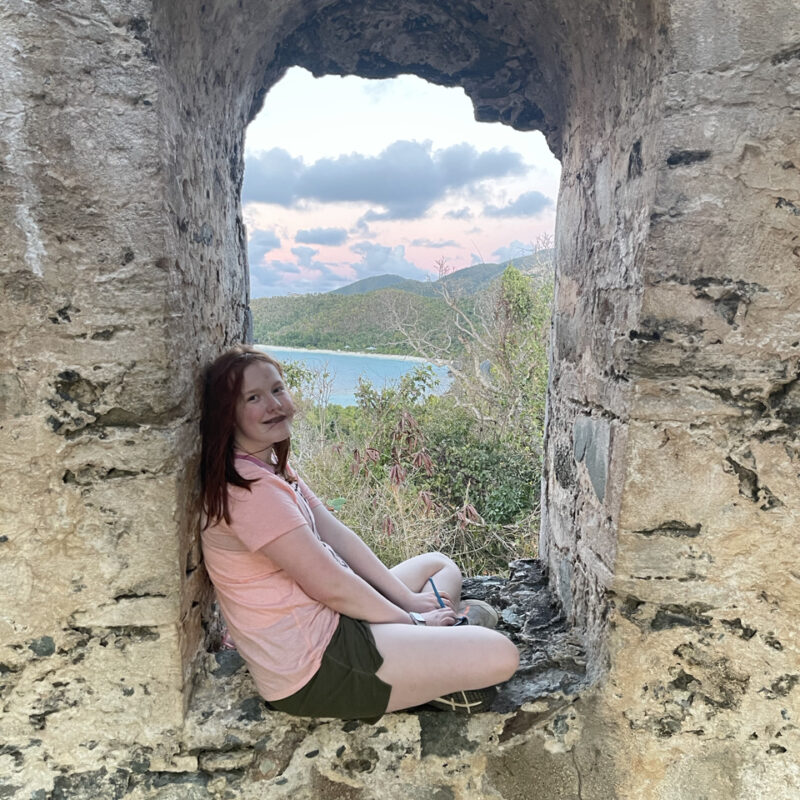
(324, 627)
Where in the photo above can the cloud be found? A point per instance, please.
(528, 204)
(378, 259)
(405, 180)
(516, 249)
(307, 274)
(279, 277)
(260, 243)
(429, 243)
(270, 177)
(305, 256)
(362, 229)
(330, 236)
(461, 213)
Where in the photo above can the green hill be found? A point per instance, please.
(376, 282)
(369, 313)
(469, 280)
(346, 322)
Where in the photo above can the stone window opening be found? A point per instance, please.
(552, 670)
(553, 658)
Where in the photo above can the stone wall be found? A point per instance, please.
(670, 521)
(116, 288)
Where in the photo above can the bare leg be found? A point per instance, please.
(415, 573)
(422, 663)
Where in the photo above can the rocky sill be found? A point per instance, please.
(231, 745)
(552, 663)
(552, 659)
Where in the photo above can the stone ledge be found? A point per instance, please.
(233, 746)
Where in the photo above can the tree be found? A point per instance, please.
(495, 346)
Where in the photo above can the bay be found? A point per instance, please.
(347, 368)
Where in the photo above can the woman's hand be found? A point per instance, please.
(439, 617)
(426, 601)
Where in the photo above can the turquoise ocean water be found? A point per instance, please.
(347, 368)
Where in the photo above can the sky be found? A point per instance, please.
(347, 178)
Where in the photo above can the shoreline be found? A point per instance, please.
(358, 353)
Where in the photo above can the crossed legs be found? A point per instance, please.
(422, 663)
(416, 571)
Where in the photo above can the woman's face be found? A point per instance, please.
(264, 410)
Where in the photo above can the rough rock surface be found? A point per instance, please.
(671, 493)
(232, 746)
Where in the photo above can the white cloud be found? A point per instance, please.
(528, 204)
(405, 179)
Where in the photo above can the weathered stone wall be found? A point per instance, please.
(673, 462)
(670, 522)
(114, 293)
(708, 527)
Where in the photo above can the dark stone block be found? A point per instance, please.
(252, 710)
(635, 161)
(90, 785)
(230, 662)
(590, 442)
(444, 734)
(674, 528)
(683, 681)
(563, 466)
(742, 631)
(673, 616)
(784, 684)
(43, 646)
(629, 607)
(784, 56)
(680, 158)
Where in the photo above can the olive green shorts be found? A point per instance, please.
(345, 686)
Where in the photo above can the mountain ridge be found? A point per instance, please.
(468, 280)
(367, 314)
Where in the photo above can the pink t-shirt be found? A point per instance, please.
(278, 629)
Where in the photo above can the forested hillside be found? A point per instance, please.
(368, 314)
(345, 322)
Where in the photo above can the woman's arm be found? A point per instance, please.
(320, 576)
(368, 566)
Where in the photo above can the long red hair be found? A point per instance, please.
(223, 384)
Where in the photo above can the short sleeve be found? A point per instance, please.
(265, 512)
(312, 500)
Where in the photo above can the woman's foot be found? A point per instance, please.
(479, 613)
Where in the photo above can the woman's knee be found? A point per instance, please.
(504, 656)
(509, 658)
(443, 561)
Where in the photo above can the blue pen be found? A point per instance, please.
(436, 592)
(461, 620)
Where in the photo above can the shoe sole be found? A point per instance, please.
(466, 702)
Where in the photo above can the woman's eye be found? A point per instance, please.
(252, 398)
